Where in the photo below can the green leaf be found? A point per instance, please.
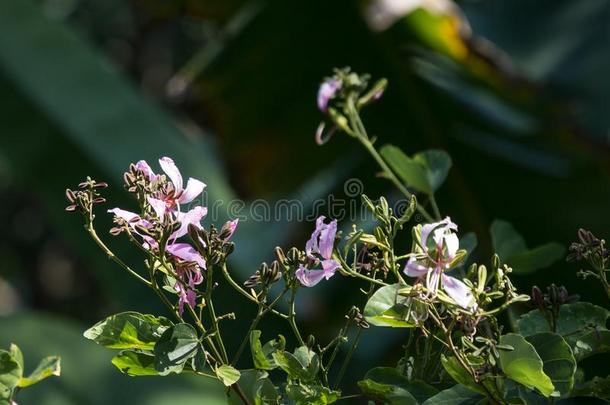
(227, 374)
(591, 343)
(17, 355)
(177, 344)
(537, 258)
(598, 387)
(387, 308)
(559, 362)
(10, 371)
(303, 365)
(456, 395)
(506, 240)
(453, 367)
(389, 385)
(412, 173)
(262, 355)
(308, 359)
(582, 325)
(128, 330)
(425, 171)
(313, 394)
(49, 366)
(523, 364)
(469, 243)
(437, 164)
(266, 393)
(257, 388)
(135, 363)
(512, 250)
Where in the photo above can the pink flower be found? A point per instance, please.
(189, 265)
(435, 256)
(319, 250)
(327, 91)
(170, 198)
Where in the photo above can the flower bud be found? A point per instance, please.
(70, 196)
(279, 253)
(368, 203)
(293, 257)
(537, 297)
(311, 341)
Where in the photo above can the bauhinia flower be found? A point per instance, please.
(319, 250)
(438, 249)
(327, 90)
(167, 199)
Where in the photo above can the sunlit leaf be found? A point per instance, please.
(523, 364)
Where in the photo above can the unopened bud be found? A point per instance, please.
(311, 341)
(70, 195)
(279, 253)
(537, 297)
(495, 261)
(293, 256)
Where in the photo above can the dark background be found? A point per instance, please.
(227, 88)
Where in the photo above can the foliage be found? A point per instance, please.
(448, 308)
(12, 369)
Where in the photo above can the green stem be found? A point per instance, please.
(348, 357)
(262, 311)
(243, 292)
(364, 139)
(292, 317)
(111, 255)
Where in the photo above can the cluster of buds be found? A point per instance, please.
(338, 91)
(591, 249)
(85, 197)
(553, 299)
(215, 245)
(265, 276)
(355, 316)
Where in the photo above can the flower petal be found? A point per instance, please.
(144, 167)
(309, 278)
(327, 239)
(311, 247)
(186, 252)
(193, 217)
(458, 291)
(158, 206)
(193, 188)
(123, 214)
(414, 269)
(327, 91)
(169, 167)
(329, 267)
(432, 279)
(452, 244)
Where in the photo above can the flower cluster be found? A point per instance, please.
(163, 221)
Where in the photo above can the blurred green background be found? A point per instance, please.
(515, 90)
